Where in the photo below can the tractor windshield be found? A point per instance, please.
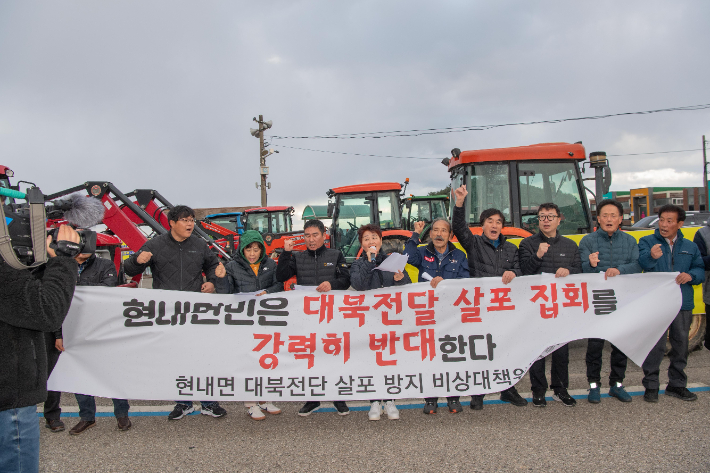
(353, 211)
(280, 222)
(556, 182)
(226, 221)
(269, 222)
(489, 189)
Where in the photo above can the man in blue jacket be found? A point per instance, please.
(437, 261)
(667, 251)
(612, 252)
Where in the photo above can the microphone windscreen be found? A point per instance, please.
(85, 211)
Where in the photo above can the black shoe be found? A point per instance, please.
(651, 395)
(477, 402)
(430, 407)
(180, 411)
(681, 393)
(511, 395)
(539, 399)
(454, 406)
(563, 396)
(341, 407)
(308, 407)
(214, 410)
(55, 425)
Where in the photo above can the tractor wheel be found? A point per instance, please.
(696, 335)
(393, 245)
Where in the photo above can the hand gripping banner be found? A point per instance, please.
(467, 336)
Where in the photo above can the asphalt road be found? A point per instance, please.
(671, 435)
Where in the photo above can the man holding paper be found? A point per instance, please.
(437, 261)
(489, 255)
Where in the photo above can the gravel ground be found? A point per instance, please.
(668, 436)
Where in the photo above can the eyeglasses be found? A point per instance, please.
(187, 220)
(547, 217)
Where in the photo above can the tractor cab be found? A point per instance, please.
(232, 221)
(268, 220)
(350, 207)
(517, 180)
(424, 208)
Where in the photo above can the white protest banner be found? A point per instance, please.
(467, 336)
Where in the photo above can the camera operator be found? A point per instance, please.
(93, 271)
(30, 304)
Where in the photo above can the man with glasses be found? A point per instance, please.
(177, 260)
(549, 252)
(612, 252)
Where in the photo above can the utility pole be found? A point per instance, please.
(263, 153)
(705, 175)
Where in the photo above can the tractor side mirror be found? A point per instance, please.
(331, 209)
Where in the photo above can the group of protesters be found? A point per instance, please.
(181, 261)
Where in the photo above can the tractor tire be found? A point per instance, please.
(393, 245)
(696, 335)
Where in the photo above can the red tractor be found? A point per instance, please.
(353, 206)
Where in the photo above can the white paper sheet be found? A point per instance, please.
(393, 263)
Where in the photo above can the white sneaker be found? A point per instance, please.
(255, 413)
(268, 407)
(375, 411)
(391, 410)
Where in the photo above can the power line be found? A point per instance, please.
(439, 158)
(657, 152)
(435, 131)
(354, 154)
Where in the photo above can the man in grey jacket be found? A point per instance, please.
(612, 252)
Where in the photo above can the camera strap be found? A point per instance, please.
(39, 233)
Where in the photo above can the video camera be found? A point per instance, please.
(79, 211)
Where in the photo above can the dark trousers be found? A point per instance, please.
(594, 363)
(678, 356)
(560, 373)
(87, 407)
(436, 399)
(52, 410)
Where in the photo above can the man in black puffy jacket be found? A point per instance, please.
(550, 252)
(318, 266)
(177, 260)
(489, 255)
(30, 304)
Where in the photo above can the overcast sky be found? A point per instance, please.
(161, 95)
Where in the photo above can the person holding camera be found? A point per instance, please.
(31, 303)
(93, 271)
(177, 260)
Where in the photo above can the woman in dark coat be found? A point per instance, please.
(251, 271)
(364, 276)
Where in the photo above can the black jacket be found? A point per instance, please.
(30, 304)
(484, 259)
(241, 278)
(364, 276)
(563, 253)
(97, 272)
(176, 265)
(311, 268)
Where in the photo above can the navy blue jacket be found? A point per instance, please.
(424, 258)
(619, 251)
(685, 258)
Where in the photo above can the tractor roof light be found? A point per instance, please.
(9, 172)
